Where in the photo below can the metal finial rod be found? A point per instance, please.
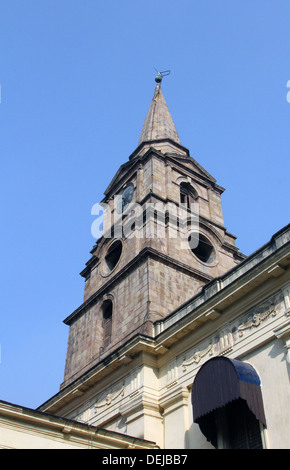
(160, 75)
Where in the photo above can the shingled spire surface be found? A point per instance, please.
(158, 124)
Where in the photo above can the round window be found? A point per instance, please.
(201, 247)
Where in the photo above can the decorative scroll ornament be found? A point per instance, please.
(111, 397)
(256, 320)
(196, 358)
(225, 339)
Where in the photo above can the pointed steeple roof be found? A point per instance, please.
(158, 124)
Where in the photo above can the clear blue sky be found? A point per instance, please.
(77, 79)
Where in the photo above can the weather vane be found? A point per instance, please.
(160, 75)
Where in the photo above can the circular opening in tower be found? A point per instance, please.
(201, 247)
(113, 255)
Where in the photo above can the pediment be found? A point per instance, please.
(119, 176)
(193, 165)
(175, 158)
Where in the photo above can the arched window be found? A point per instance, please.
(188, 195)
(107, 309)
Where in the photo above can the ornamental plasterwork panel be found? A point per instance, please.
(197, 356)
(221, 344)
(226, 338)
(261, 314)
(108, 399)
(115, 394)
(103, 402)
(257, 319)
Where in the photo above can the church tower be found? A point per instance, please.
(163, 240)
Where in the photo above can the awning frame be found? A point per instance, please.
(221, 380)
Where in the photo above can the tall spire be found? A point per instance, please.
(158, 124)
